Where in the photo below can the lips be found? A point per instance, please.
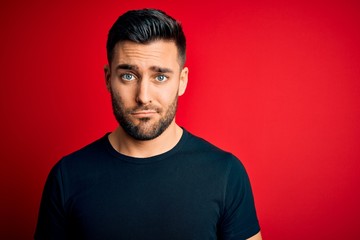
(145, 113)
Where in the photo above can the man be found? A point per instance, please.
(150, 178)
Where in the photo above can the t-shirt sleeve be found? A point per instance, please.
(52, 223)
(239, 220)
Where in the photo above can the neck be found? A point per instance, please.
(129, 146)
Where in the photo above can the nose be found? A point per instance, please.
(143, 96)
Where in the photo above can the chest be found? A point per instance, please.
(148, 202)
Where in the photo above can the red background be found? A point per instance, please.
(274, 82)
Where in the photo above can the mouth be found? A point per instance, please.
(144, 113)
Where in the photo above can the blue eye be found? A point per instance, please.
(161, 78)
(127, 77)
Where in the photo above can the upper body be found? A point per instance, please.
(193, 191)
(145, 76)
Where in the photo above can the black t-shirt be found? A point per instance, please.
(194, 191)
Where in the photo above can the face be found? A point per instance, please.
(144, 81)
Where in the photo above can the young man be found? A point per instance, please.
(150, 178)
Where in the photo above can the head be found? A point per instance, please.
(146, 73)
(144, 26)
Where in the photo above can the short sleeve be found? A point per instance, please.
(52, 222)
(239, 220)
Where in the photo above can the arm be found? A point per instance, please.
(52, 222)
(256, 237)
(239, 218)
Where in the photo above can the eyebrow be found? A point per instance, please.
(152, 68)
(126, 67)
(161, 70)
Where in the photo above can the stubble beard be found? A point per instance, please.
(143, 130)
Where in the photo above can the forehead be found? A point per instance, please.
(155, 53)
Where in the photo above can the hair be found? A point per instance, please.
(144, 26)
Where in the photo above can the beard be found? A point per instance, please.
(144, 130)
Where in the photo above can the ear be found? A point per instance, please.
(107, 74)
(183, 81)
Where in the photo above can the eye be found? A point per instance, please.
(161, 78)
(127, 77)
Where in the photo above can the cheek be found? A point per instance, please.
(165, 98)
(168, 93)
(124, 95)
(117, 98)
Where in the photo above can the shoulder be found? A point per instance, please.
(86, 157)
(94, 148)
(198, 144)
(200, 148)
(77, 170)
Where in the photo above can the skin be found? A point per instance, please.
(146, 80)
(145, 92)
(256, 237)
